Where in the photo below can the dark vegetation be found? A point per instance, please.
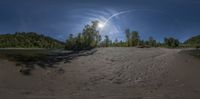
(28, 40)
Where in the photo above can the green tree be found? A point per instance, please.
(171, 42)
(152, 42)
(128, 35)
(135, 38)
(107, 41)
(88, 39)
(91, 35)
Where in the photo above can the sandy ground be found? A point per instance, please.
(109, 73)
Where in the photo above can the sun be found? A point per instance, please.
(100, 25)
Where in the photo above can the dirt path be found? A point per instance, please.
(110, 73)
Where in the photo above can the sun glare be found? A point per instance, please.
(100, 25)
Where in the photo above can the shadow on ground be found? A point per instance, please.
(192, 52)
(28, 62)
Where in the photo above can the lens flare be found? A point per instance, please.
(100, 25)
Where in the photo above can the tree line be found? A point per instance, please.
(91, 38)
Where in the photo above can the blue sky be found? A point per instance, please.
(59, 18)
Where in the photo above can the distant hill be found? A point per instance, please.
(28, 40)
(193, 41)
